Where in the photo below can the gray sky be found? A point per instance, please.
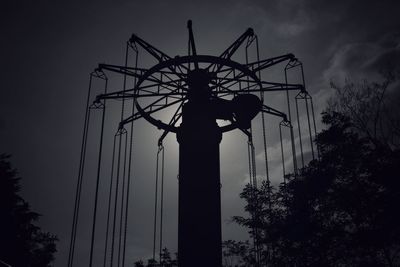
(50, 47)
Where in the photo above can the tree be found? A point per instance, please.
(165, 261)
(236, 253)
(372, 108)
(340, 211)
(22, 243)
(139, 264)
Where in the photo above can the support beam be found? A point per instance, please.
(199, 236)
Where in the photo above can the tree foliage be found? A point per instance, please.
(236, 253)
(165, 261)
(341, 209)
(22, 243)
(372, 108)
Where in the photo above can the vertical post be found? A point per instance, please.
(199, 230)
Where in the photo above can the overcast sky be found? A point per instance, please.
(50, 47)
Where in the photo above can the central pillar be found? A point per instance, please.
(199, 222)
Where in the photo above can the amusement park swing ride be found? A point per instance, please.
(205, 96)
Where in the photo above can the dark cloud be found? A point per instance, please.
(319, 29)
(365, 60)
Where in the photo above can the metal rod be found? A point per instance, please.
(109, 202)
(122, 200)
(119, 134)
(283, 156)
(298, 126)
(315, 126)
(263, 126)
(161, 202)
(192, 44)
(295, 169)
(80, 177)
(156, 205)
(129, 169)
(266, 63)
(97, 179)
(309, 127)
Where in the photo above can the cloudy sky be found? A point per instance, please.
(50, 47)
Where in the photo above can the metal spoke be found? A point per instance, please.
(271, 86)
(122, 93)
(133, 72)
(227, 80)
(138, 115)
(177, 115)
(272, 111)
(266, 63)
(156, 53)
(228, 53)
(176, 82)
(150, 94)
(155, 102)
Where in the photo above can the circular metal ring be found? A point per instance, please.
(178, 62)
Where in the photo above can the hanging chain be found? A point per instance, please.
(80, 177)
(100, 75)
(98, 176)
(134, 48)
(161, 201)
(160, 154)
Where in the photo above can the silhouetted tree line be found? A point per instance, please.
(234, 252)
(22, 243)
(166, 260)
(343, 208)
(237, 253)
